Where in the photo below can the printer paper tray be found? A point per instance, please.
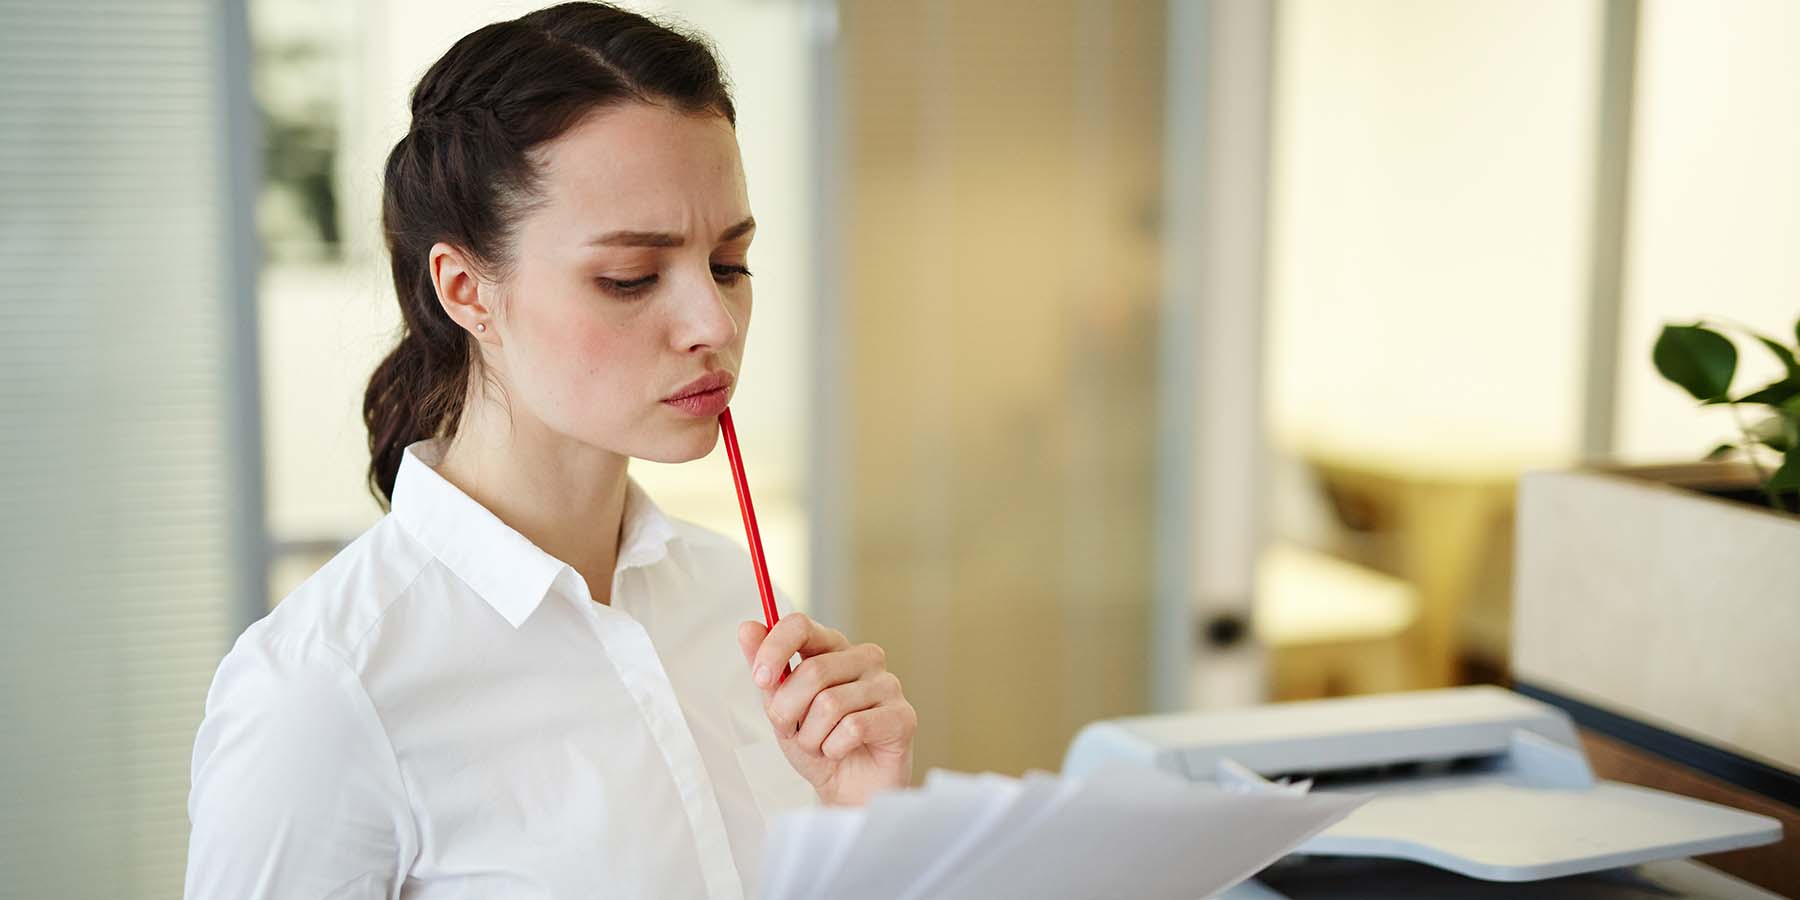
(1505, 832)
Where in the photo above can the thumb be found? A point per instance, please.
(750, 637)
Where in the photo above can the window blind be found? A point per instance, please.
(122, 512)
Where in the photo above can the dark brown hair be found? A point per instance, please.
(462, 175)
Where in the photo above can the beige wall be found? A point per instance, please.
(1001, 286)
(1428, 240)
(1715, 204)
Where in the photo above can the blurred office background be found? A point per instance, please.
(1109, 356)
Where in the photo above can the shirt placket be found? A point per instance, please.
(629, 647)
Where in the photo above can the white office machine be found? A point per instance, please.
(1476, 791)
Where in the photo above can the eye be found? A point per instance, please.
(729, 274)
(628, 288)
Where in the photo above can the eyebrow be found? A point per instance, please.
(666, 239)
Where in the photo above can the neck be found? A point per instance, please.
(566, 497)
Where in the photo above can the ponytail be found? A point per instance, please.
(408, 400)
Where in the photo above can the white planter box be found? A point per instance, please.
(1662, 603)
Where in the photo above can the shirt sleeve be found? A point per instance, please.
(296, 791)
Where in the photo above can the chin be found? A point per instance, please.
(696, 444)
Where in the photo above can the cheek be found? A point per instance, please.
(600, 364)
(741, 307)
(583, 363)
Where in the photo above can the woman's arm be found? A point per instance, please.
(295, 790)
(841, 718)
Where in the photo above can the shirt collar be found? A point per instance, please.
(501, 565)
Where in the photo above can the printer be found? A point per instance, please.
(1476, 792)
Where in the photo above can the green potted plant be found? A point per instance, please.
(1704, 363)
(1671, 594)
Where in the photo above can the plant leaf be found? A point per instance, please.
(1698, 359)
(1782, 353)
(1772, 432)
(1774, 395)
(1721, 451)
(1787, 477)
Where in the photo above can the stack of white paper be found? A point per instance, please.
(1117, 832)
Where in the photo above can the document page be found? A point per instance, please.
(1120, 831)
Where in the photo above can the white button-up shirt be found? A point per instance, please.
(443, 711)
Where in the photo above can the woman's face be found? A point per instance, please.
(630, 283)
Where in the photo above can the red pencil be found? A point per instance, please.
(763, 585)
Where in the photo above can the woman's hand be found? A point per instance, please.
(840, 718)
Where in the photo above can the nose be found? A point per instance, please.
(705, 321)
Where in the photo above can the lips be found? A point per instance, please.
(711, 381)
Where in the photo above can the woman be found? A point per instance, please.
(522, 682)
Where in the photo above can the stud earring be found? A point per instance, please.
(480, 326)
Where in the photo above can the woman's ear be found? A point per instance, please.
(460, 290)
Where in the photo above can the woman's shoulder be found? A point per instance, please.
(302, 664)
(337, 605)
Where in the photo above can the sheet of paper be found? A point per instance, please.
(1117, 832)
(825, 854)
(1037, 792)
(1127, 827)
(907, 830)
(799, 843)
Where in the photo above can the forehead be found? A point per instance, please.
(645, 167)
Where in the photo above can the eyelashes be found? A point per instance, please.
(730, 274)
(723, 274)
(625, 288)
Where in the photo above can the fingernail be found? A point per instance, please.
(762, 675)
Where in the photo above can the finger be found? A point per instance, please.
(878, 725)
(835, 702)
(750, 637)
(795, 633)
(788, 706)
